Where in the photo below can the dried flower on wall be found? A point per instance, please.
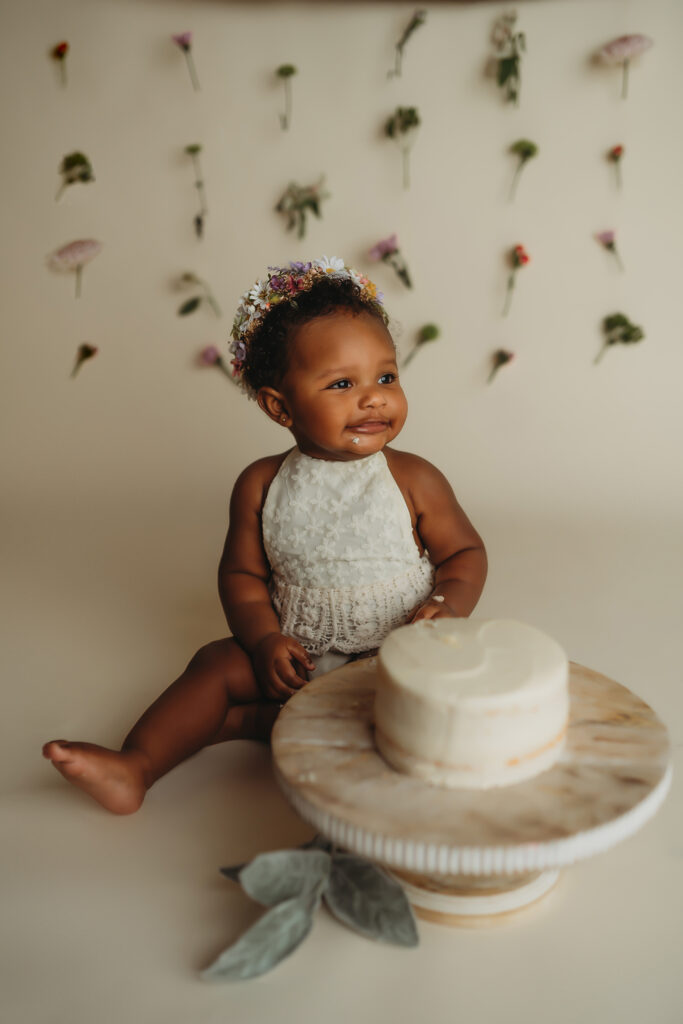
(210, 356)
(509, 46)
(517, 258)
(607, 240)
(190, 305)
(622, 51)
(418, 18)
(286, 72)
(74, 256)
(74, 167)
(299, 200)
(184, 41)
(402, 127)
(618, 330)
(388, 251)
(614, 155)
(59, 54)
(524, 150)
(499, 358)
(84, 353)
(193, 151)
(427, 333)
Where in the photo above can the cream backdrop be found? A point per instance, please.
(116, 482)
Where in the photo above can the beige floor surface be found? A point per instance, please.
(111, 919)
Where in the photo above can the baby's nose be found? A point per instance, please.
(372, 396)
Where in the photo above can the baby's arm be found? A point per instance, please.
(243, 576)
(455, 548)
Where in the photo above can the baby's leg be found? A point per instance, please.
(197, 709)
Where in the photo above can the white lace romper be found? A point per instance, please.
(345, 566)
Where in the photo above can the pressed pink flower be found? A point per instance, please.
(59, 53)
(608, 240)
(615, 155)
(621, 51)
(210, 356)
(518, 257)
(74, 256)
(184, 41)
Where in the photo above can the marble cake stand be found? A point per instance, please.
(470, 856)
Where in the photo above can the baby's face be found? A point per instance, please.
(342, 389)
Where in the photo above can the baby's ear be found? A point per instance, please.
(273, 404)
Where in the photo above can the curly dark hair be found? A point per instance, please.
(268, 351)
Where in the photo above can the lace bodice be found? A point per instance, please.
(345, 566)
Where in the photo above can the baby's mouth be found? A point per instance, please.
(369, 427)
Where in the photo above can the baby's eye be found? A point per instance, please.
(388, 378)
(341, 384)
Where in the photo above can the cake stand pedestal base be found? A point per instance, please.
(466, 856)
(470, 900)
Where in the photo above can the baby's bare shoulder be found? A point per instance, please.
(412, 467)
(253, 482)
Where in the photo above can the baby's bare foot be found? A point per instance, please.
(114, 778)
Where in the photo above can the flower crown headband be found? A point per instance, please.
(283, 284)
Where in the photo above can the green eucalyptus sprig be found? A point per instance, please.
(291, 884)
(418, 18)
(402, 127)
(427, 333)
(618, 330)
(299, 200)
(74, 167)
(524, 150)
(286, 72)
(193, 151)
(509, 46)
(190, 305)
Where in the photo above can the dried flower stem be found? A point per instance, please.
(285, 119)
(508, 293)
(191, 68)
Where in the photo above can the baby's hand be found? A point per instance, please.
(434, 608)
(280, 664)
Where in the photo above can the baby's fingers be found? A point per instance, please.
(302, 656)
(287, 675)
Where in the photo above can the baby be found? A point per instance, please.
(331, 544)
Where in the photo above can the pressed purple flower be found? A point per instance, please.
(388, 251)
(621, 51)
(385, 247)
(607, 240)
(184, 41)
(74, 256)
(210, 356)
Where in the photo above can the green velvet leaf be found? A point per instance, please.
(274, 936)
(364, 897)
(281, 875)
(189, 306)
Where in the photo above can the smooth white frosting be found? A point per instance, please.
(471, 702)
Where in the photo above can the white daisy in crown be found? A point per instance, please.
(330, 266)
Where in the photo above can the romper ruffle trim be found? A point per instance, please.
(350, 619)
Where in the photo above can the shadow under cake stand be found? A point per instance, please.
(467, 856)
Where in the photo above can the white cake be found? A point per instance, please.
(471, 702)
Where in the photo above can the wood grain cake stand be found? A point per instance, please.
(469, 856)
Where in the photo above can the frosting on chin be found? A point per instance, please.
(471, 702)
